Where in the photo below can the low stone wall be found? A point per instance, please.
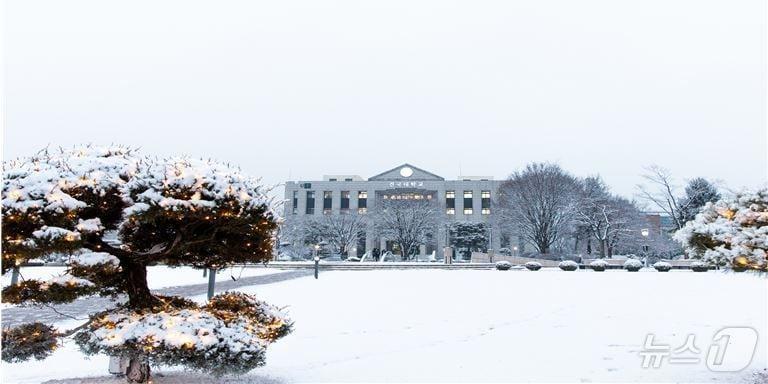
(480, 257)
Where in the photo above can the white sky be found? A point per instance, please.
(324, 87)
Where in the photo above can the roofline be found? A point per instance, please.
(403, 165)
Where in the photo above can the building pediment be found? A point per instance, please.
(405, 172)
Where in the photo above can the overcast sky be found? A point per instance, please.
(306, 88)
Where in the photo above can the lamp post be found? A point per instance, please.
(316, 258)
(514, 249)
(645, 232)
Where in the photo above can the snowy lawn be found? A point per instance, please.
(158, 276)
(469, 326)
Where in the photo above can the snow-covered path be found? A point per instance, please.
(483, 326)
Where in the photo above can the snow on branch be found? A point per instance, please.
(734, 230)
(90, 259)
(57, 290)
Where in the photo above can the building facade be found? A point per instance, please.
(467, 199)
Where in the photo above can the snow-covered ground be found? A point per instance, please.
(487, 325)
(157, 276)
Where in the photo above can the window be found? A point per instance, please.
(467, 202)
(332, 179)
(348, 179)
(295, 202)
(327, 202)
(344, 201)
(310, 203)
(362, 202)
(450, 202)
(485, 202)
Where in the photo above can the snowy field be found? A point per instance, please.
(481, 326)
(157, 276)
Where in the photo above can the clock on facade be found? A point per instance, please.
(406, 171)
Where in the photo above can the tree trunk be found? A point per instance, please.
(138, 370)
(602, 248)
(136, 286)
(543, 247)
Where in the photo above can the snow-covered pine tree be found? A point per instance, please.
(118, 212)
(733, 230)
(698, 193)
(467, 237)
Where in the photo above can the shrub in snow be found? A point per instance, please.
(533, 265)
(505, 251)
(662, 266)
(27, 341)
(229, 335)
(568, 265)
(598, 265)
(699, 266)
(176, 211)
(633, 265)
(503, 265)
(730, 230)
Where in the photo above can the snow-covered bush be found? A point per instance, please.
(633, 265)
(733, 230)
(503, 265)
(699, 266)
(598, 265)
(505, 251)
(662, 266)
(229, 335)
(176, 211)
(533, 265)
(568, 265)
(26, 341)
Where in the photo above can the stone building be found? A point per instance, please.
(468, 199)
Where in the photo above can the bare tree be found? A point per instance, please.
(609, 219)
(341, 231)
(409, 223)
(663, 193)
(594, 213)
(624, 225)
(539, 202)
